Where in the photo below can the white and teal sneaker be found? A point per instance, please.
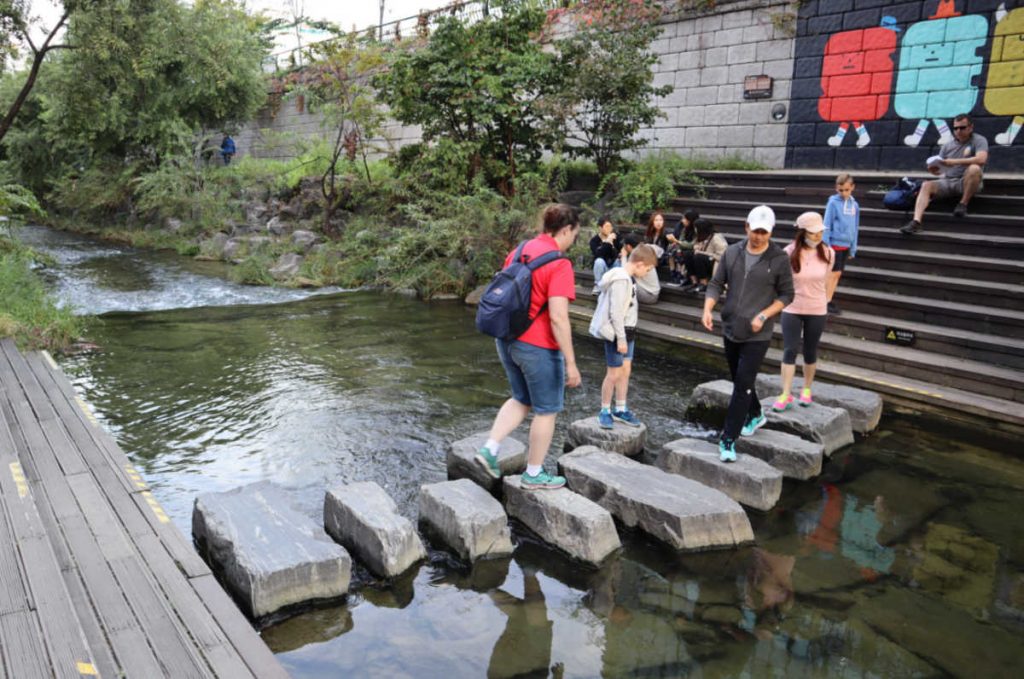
(542, 481)
(753, 425)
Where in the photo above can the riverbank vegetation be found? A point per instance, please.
(516, 109)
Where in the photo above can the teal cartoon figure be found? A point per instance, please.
(1004, 91)
(939, 62)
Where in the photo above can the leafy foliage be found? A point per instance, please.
(27, 312)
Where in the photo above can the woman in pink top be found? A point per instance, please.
(812, 262)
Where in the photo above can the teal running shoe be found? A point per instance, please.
(488, 461)
(542, 481)
(727, 451)
(626, 417)
(753, 425)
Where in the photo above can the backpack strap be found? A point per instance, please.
(534, 264)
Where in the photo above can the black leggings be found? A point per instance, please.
(744, 361)
(811, 328)
(698, 264)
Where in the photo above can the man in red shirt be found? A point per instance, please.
(541, 362)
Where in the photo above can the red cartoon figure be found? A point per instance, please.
(856, 78)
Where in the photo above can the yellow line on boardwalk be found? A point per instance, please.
(161, 515)
(87, 410)
(135, 476)
(49, 359)
(87, 669)
(18, 474)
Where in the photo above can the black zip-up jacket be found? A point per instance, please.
(769, 280)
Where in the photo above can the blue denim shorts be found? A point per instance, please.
(612, 356)
(536, 375)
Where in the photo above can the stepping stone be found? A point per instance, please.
(462, 465)
(579, 527)
(864, 407)
(270, 555)
(795, 457)
(467, 518)
(363, 518)
(828, 426)
(678, 511)
(621, 439)
(749, 480)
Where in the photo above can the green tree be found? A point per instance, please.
(604, 78)
(480, 85)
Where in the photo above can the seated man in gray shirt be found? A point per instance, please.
(960, 163)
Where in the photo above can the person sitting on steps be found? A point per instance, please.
(960, 163)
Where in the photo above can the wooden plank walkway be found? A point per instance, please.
(95, 580)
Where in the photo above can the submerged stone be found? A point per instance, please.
(270, 555)
(570, 522)
(750, 481)
(682, 513)
(863, 406)
(463, 465)
(620, 439)
(363, 518)
(467, 518)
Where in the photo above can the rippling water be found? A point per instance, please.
(904, 558)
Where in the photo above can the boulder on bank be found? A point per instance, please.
(467, 518)
(749, 480)
(622, 438)
(270, 555)
(287, 266)
(678, 511)
(463, 465)
(304, 239)
(566, 520)
(278, 227)
(863, 406)
(473, 298)
(363, 518)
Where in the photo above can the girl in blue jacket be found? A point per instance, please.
(842, 220)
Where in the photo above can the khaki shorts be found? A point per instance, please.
(950, 188)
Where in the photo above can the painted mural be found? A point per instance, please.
(877, 84)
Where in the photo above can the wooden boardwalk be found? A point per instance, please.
(95, 580)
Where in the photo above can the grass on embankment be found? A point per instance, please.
(28, 313)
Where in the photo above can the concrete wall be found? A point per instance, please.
(876, 84)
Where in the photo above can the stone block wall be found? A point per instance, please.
(876, 84)
(706, 59)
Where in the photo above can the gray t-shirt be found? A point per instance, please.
(956, 149)
(751, 260)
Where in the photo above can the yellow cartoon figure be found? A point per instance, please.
(1004, 92)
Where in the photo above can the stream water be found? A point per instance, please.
(904, 558)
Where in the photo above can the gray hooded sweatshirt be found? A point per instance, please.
(622, 304)
(770, 279)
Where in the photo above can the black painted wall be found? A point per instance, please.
(904, 84)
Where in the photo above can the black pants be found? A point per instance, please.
(744, 361)
(698, 264)
(811, 327)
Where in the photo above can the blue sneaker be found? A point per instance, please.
(604, 418)
(488, 461)
(727, 451)
(753, 425)
(626, 417)
(542, 481)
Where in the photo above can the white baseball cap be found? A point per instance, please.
(761, 218)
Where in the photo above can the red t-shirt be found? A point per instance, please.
(554, 279)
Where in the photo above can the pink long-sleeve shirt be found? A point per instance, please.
(810, 285)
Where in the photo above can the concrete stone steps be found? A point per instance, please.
(996, 183)
(950, 265)
(750, 481)
(462, 464)
(1000, 415)
(466, 518)
(622, 438)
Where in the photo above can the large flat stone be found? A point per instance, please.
(269, 555)
(828, 426)
(864, 407)
(680, 512)
(749, 480)
(467, 518)
(570, 522)
(462, 465)
(366, 521)
(621, 439)
(795, 457)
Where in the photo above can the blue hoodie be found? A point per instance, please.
(842, 220)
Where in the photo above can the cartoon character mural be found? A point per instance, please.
(856, 79)
(1004, 90)
(939, 61)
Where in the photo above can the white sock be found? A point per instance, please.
(533, 469)
(493, 446)
(620, 406)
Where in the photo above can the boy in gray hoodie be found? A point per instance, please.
(618, 331)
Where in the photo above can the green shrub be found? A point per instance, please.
(253, 270)
(29, 314)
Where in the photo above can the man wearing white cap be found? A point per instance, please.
(760, 283)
